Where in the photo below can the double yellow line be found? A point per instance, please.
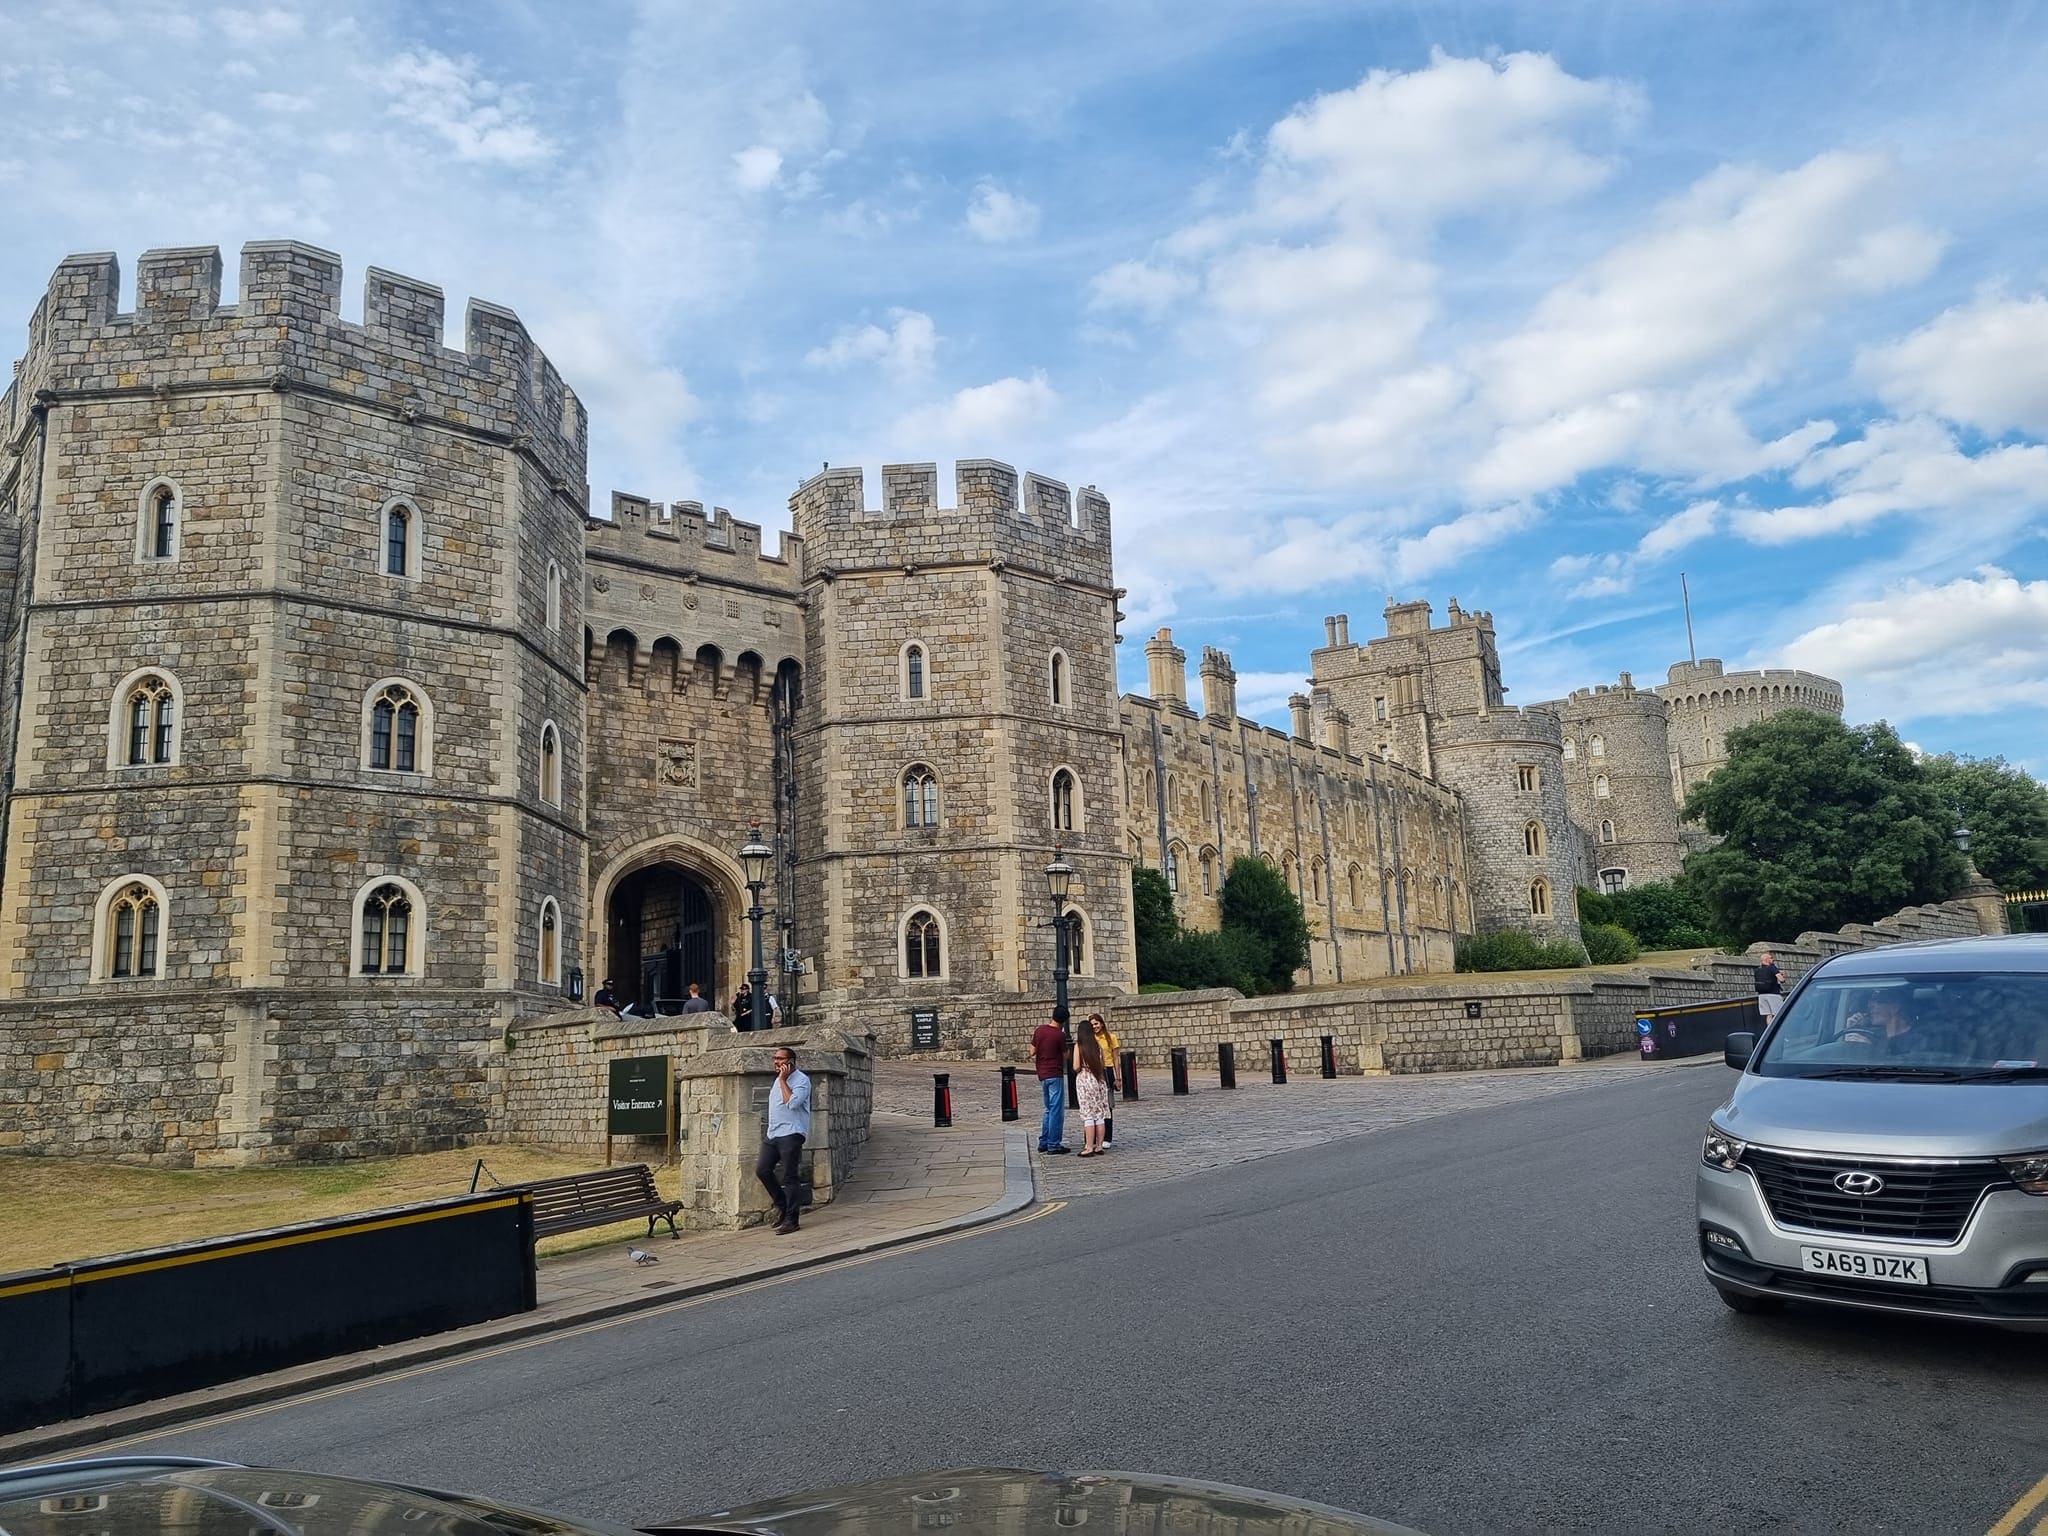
(2033, 1502)
(104, 1447)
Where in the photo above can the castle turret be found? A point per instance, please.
(1219, 685)
(1166, 668)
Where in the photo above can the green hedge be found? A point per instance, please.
(1609, 944)
(1513, 950)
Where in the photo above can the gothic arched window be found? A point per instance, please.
(1532, 838)
(134, 931)
(1063, 801)
(397, 737)
(388, 945)
(550, 764)
(922, 952)
(920, 796)
(151, 714)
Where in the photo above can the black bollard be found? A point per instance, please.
(942, 1098)
(1279, 1060)
(1073, 1093)
(1179, 1058)
(1329, 1055)
(1226, 1064)
(1130, 1059)
(1009, 1093)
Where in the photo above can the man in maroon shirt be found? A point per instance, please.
(1049, 1057)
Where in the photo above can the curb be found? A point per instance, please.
(167, 1413)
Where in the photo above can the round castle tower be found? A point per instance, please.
(1703, 704)
(1617, 767)
(1508, 766)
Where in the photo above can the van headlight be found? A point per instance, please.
(2029, 1172)
(1725, 1151)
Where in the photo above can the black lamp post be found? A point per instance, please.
(1059, 880)
(1962, 835)
(755, 858)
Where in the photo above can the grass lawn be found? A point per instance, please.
(53, 1209)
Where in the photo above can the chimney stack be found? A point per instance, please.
(1219, 685)
(1166, 665)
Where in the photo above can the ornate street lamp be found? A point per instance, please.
(1059, 880)
(755, 859)
(1962, 834)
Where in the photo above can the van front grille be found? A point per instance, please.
(1927, 1202)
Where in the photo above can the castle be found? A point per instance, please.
(342, 738)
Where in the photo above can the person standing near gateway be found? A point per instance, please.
(1049, 1060)
(789, 1123)
(1770, 986)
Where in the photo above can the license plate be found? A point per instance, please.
(1848, 1265)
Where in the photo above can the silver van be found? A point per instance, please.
(1886, 1146)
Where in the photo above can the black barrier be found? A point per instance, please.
(1178, 1057)
(1279, 1051)
(1329, 1055)
(1073, 1093)
(1009, 1093)
(942, 1099)
(1226, 1064)
(1130, 1062)
(1693, 1029)
(134, 1326)
(35, 1322)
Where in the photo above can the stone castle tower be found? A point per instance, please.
(292, 634)
(1431, 697)
(1703, 704)
(1617, 749)
(960, 723)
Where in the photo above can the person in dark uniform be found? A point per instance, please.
(743, 1006)
(607, 998)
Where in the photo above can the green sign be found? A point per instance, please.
(642, 1091)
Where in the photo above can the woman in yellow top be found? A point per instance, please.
(1109, 1046)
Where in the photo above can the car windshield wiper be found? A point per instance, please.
(1880, 1073)
(2003, 1074)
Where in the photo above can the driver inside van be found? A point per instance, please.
(1887, 1021)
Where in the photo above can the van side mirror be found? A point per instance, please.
(1740, 1047)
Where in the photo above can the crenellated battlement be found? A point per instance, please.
(1530, 725)
(1031, 520)
(681, 537)
(285, 331)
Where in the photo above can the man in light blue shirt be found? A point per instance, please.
(789, 1123)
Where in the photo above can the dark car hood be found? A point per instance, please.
(1009, 1502)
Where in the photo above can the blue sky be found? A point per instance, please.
(1532, 305)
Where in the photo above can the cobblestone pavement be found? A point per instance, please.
(1163, 1137)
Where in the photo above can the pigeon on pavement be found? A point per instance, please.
(641, 1256)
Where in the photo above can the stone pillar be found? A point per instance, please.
(1219, 685)
(1167, 667)
(1297, 706)
(1985, 899)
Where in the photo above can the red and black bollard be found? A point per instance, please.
(1179, 1058)
(1329, 1055)
(942, 1098)
(1130, 1061)
(1009, 1093)
(1279, 1050)
(1226, 1064)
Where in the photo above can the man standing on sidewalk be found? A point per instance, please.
(1770, 986)
(1049, 1058)
(789, 1122)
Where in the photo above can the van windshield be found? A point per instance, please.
(1987, 1026)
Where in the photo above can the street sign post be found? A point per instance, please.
(641, 1100)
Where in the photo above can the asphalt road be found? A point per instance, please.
(1490, 1321)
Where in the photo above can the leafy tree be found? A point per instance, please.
(1607, 944)
(1230, 957)
(2006, 810)
(1156, 924)
(1256, 901)
(1821, 824)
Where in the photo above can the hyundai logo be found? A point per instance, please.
(1858, 1183)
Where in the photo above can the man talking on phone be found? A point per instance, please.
(789, 1123)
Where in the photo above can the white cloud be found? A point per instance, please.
(1696, 522)
(975, 417)
(255, 29)
(1459, 135)
(1264, 695)
(904, 348)
(1905, 467)
(998, 217)
(1739, 263)
(1984, 364)
(1615, 571)
(473, 116)
(756, 166)
(1138, 285)
(1974, 645)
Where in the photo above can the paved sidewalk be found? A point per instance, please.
(912, 1182)
(1161, 1136)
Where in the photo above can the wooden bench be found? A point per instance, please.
(580, 1200)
